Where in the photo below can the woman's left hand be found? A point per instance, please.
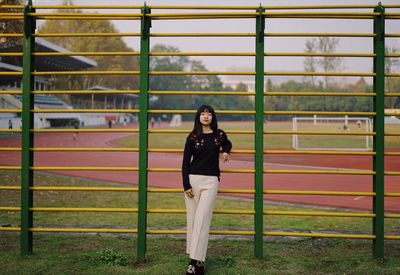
(225, 157)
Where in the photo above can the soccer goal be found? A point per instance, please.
(334, 125)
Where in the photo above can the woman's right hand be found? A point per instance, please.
(189, 193)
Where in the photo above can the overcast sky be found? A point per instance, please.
(346, 45)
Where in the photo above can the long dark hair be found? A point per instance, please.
(198, 129)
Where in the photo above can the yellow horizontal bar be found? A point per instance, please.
(11, 6)
(203, 34)
(94, 92)
(212, 232)
(321, 54)
(10, 229)
(321, 73)
(193, 112)
(318, 172)
(188, 131)
(318, 113)
(10, 148)
(180, 190)
(199, 93)
(392, 55)
(324, 193)
(392, 134)
(82, 230)
(319, 235)
(392, 75)
(392, 194)
(85, 34)
(82, 209)
(317, 94)
(390, 173)
(105, 130)
(86, 54)
(86, 18)
(87, 73)
(10, 54)
(10, 167)
(65, 188)
(392, 216)
(319, 133)
(10, 208)
(10, 131)
(392, 94)
(201, 54)
(58, 7)
(108, 149)
(392, 35)
(10, 188)
(301, 152)
(200, 73)
(392, 114)
(60, 168)
(294, 34)
(86, 15)
(11, 35)
(392, 153)
(179, 170)
(320, 214)
(85, 111)
(216, 211)
(389, 237)
(10, 110)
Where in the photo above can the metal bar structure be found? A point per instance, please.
(27, 135)
(143, 133)
(259, 137)
(259, 15)
(379, 138)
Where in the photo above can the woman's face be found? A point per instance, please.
(205, 118)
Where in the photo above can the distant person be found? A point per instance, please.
(200, 173)
(110, 124)
(10, 124)
(345, 127)
(159, 122)
(125, 122)
(152, 122)
(359, 124)
(76, 126)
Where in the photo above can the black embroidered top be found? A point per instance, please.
(205, 150)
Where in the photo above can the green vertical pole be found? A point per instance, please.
(259, 138)
(379, 129)
(27, 135)
(143, 135)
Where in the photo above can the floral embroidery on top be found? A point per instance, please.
(198, 143)
(218, 139)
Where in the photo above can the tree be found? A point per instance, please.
(328, 63)
(93, 44)
(11, 26)
(310, 62)
(392, 83)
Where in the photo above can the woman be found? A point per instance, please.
(200, 172)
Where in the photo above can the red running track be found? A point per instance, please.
(352, 183)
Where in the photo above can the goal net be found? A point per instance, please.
(335, 125)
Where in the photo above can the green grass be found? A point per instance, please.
(163, 201)
(75, 254)
(244, 141)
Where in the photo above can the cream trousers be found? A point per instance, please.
(199, 213)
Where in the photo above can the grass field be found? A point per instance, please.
(246, 141)
(72, 254)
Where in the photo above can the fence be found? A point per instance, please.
(260, 15)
